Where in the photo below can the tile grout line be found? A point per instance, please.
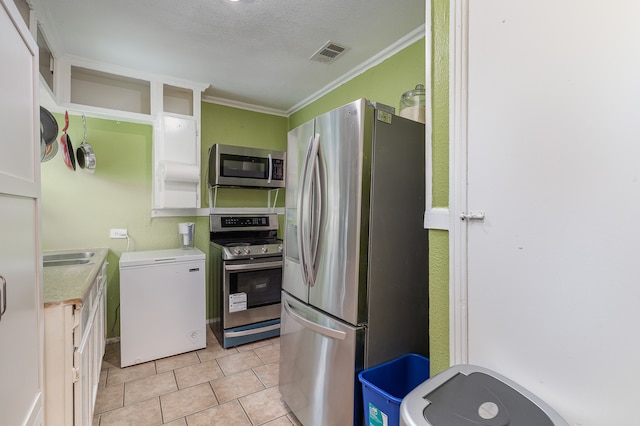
(245, 412)
(110, 375)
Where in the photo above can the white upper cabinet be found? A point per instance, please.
(171, 106)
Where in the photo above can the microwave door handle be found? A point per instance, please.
(270, 168)
(325, 331)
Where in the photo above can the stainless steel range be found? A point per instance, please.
(246, 277)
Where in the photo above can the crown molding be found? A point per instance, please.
(385, 54)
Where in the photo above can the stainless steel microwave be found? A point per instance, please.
(231, 165)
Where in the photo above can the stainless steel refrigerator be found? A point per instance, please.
(355, 279)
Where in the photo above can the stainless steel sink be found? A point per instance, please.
(72, 258)
(69, 256)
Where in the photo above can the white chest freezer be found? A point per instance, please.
(162, 304)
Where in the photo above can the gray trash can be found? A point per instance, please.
(468, 395)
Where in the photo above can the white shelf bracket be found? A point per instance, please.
(275, 199)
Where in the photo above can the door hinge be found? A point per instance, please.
(472, 216)
(75, 375)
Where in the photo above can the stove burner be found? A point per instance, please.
(238, 237)
(249, 250)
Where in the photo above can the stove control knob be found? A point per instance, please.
(265, 249)
(236, 250)
(247, 251)
(280, 248)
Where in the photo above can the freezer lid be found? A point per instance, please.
(157, 257)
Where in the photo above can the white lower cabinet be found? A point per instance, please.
(75, 338)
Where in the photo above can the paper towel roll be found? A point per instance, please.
(179, 172)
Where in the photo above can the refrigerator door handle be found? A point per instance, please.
(318, 193)
(3, 296)
(321, 329)
(312, 215)
(305, 215)
(301, 214)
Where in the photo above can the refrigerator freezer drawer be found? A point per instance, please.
(319, 361)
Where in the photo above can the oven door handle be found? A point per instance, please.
(253, 266)
(251, 332)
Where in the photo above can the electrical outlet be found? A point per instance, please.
(118, 233)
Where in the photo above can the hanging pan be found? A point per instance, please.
(48, 127)
(48, 135)
(50, 152)
(67, 148)
(84, 153)
(43, 147)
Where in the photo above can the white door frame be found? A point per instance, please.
(458, 69)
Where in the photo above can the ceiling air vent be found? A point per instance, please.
(328, 53)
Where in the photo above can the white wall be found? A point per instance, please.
(553, 150)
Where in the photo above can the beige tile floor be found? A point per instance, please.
(213, 386)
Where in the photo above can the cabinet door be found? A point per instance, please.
(19, 337)
(82, 388)
(18, 105)
(98, 343)
(88, 357)
(176, 141)
(20, 266)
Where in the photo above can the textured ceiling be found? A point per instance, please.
(251, 51)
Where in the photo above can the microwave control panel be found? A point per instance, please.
(278, 169)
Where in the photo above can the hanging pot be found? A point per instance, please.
(48, 127)
(67, 148)
(85, 155)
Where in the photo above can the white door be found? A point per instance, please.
(553, 160)
(20, 265)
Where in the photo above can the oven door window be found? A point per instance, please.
(244, 167)
(262, 287)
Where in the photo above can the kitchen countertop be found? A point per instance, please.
(69, 284)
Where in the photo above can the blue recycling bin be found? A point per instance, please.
(385, 385)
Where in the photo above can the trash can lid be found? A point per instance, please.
(466, 395)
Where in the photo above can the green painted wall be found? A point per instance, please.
(78, 208)
(439, 240)
(384, 83)
(232, 126)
